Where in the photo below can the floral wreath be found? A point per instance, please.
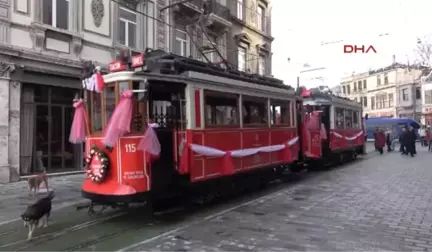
(102, 171)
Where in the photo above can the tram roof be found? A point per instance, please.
(160, 65)
(317, 96)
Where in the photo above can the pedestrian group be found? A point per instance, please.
(407, 139)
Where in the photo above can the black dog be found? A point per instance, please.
(37, 211)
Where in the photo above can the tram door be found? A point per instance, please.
(312, 147)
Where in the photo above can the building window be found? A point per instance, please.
(56, 13)
(181, 43)
(418, 93)
(385, 79)
(378, 80)
(150, 32)
(343, 90)
(359, 84)
(127, 27)
(405, 94)
(240, 9)
(364, 84)
(355, 87)
(210, 49)
(261, 65)
(390, 100)
(348, 89)
(242, 59)
(372, 102)
(365, 102)
(260, 17)
(428, 96)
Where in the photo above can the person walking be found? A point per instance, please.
(389, 140)
(402, 136)
(422, 136)
(413, 140)
(428, 137)
(380, 140)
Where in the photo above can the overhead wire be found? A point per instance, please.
(191, 36)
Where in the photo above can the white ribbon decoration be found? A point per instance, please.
(348, 138)
(213, 152)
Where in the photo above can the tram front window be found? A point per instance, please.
(96, 113)
(110, 102)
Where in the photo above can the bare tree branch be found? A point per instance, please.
(424, 53)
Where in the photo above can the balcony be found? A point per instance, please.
(250, 15)
(218, 16)
(189, 8)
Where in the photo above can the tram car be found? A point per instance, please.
(341, 129)
(160, 126)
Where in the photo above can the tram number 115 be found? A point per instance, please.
(130, 147)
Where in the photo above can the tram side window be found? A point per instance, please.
(110, 102)
(280, 113)
(339, 118)
(95, 110)
(140, 107)
(356, 123)
(254, 111)
(348, 118)
(220, 108)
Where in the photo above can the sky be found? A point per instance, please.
(300, 26)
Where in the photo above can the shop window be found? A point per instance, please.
(339, 118)
(221, 109)
(254, 111)
(280, 113)
(348, 118)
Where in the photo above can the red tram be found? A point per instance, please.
(159, 125)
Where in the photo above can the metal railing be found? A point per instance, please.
(250, 14)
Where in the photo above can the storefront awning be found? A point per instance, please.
(45, 77)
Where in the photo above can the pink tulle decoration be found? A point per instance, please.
(323, 132)
(120, 121)
(78, 129)
(150, 142)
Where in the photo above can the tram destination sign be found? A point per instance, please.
(119, 65)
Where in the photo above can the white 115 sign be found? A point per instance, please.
(130, 147)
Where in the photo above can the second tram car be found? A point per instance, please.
(341, 125)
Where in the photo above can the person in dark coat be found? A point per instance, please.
(408, 142)
(413, 138)
(380, 141)
(402, 149)
(389, 140)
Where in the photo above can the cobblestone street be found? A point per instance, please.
(381, 203)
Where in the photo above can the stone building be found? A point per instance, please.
(44, 44)
(393, 91)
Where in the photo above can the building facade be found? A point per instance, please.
(44, 44)
(394, 91)
(426, 98)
